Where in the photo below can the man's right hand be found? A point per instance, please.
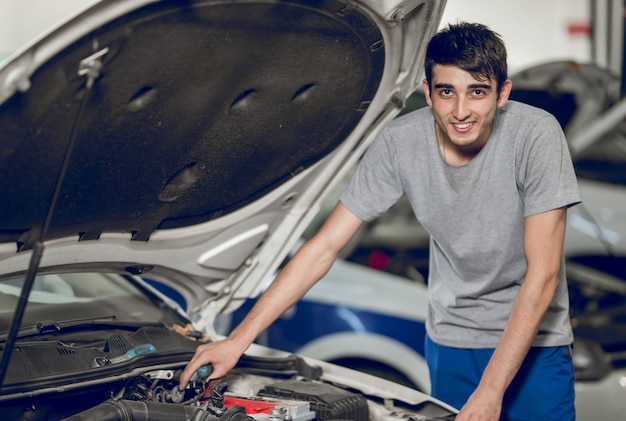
(222, 355)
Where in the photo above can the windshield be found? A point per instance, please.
(78, 296)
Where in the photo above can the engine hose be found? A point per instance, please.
(126, 410)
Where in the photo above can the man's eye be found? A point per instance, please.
(446, 92)
(478, 92)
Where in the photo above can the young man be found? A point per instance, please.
(490, 179)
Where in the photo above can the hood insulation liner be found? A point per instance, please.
(198, 109)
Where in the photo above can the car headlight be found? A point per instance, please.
(591, 363)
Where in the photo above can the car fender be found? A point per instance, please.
(374, 347)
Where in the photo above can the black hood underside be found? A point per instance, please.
(187, 111)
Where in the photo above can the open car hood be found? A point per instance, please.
(192, 141)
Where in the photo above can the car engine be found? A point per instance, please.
(259, 388)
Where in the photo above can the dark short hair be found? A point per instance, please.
(470, 46)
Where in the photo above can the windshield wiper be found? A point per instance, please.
(47, 327)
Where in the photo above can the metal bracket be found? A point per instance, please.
(92, 65)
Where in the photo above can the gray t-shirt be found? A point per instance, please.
(474, 215)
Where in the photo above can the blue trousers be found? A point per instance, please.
(542, 390)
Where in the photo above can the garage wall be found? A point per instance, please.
(534, 30)
(23, 20)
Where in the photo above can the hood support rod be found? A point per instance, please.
(89, 67)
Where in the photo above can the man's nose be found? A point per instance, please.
(461, 108)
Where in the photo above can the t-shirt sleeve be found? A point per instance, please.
(375, 186)
(547, 178)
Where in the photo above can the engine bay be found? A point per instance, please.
(108, 370)
(262, 389)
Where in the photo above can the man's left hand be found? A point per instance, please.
(480, 408)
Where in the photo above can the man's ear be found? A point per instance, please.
(505, 92)
(426, 88)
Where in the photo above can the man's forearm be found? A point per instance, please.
(308, 265)
(543, 245)
(526, 316)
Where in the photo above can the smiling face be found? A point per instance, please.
(464, 109)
